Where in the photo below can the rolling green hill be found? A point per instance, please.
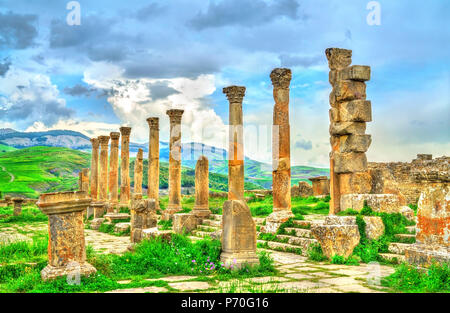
(5, 148)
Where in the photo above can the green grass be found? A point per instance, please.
(407, 278)
(29, 214)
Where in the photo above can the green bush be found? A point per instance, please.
(315, 253)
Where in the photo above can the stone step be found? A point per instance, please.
(411, 229)
(302, 223)
(216, 217)
(398, 247)
(279, 246)
(391, 256)
(300, 232)
(207, 228)
(303, 243)
(212, 223)
(200, 233)
(404, 236)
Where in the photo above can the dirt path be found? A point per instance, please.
(4, 170)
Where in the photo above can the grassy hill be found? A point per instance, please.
(5, 148)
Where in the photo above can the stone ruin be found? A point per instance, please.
(138, 171)
(303, 189)
(143, 216)
(18, 205)
(320, 186)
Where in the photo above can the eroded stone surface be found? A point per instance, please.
(336, 239)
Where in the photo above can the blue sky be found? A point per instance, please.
(129, 60)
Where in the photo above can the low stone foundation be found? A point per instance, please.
(388, 203)
(184, 223)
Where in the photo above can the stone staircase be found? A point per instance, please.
(396, 250)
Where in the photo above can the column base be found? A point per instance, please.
(51, 272)
(201, 212)
(275, 219)
(239, 258)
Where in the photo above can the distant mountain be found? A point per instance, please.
(4, 131)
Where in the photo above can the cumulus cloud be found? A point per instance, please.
(28, 97)
(244, 13)
(17, 31)
(303, 144)
(79, 90)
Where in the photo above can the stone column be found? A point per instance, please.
(113, 180)
(174, 164)
(138, 171)
(83, 181)
(18, 206)
(281, 151)
(103, 169)
(153, 160)
(201, 207)
(235, 95)
(66, 244)
(125, 166)
(238, 235)
(348, 116)
(94, 169)
(143, 216)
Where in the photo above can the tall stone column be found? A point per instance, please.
(83, 180)
(94, 169)
(103, 169)
(153, 160)
(235, 95)
(113, 182)
(348, 116)
(174, 164)
(281, 151)
(201, 207)
(125, 166)
(138, 171)
(66, 244)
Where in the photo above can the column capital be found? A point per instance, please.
(153, 122)
(234, 93)
(114, 135)
(281, 77)
(175, 115)
(338, 58)
(104, 140)
(125, 131)
(95, 143)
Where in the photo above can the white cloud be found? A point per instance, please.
(90, 129)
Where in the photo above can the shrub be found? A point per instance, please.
(315, 253)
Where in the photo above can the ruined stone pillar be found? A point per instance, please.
(138, 171)
(348, 116)
(281, 151)
(153, 160)
(66, 244)
(174, 164)
(201, 207)
(83, 180)
(238, 235)
(143, 216)
(18, 206)
(125, 166)
(113, 180)
(320, 185)
(235, 95)
(103, 169)
(94, 169)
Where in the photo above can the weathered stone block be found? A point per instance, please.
(96, 223)
(336, 239)
(347, 90)
(425, 256)
(374, 227)
(354, 143)
(275, 219)
(121, 227)
(320, 185)
(154, 232)
(388, 203)
(359, 182)
(340, 220)
(143, 216)
(184, 223)
(355, 111)
(355, 72)
(303, 189)
(347, 128)
(350, 162)
(338, 58)
(238, 234)
(407, 212)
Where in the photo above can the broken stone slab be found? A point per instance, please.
(389, 203)
(154, 232)
(355, 111)
(274, 221)
(122, 227)
(336, 239)
(350, 162)
(184, 223)
(354, 143)
(374, 227)
(425, 255)
(238, 235)
(96, 223)
(347, 128)
(110, 217)
(355, 72)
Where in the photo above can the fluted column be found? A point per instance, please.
(94, 169)
(113, 183)
(281, 151)
(175, 161)
(125, 165)
(201, 207)
(138, 171)
(235, 95)
(103, 168)
(153, 159)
